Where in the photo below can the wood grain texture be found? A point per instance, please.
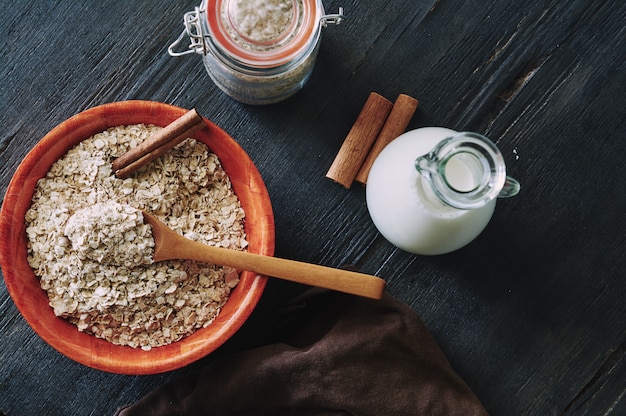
(531, 314)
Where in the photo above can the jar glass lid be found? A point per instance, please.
(263, 33)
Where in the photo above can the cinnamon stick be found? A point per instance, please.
(158, 144)
(396, 124)
(128, 170)
(359, 140)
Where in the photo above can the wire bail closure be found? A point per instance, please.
(194, 31)
(332, 19)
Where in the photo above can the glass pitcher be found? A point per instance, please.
(433, 190)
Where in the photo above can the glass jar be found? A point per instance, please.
(256, 51)
(433, 190)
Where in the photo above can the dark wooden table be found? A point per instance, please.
(532, 314)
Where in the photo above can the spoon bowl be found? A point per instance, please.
(170, 245)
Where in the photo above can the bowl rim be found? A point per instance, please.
(23, 286)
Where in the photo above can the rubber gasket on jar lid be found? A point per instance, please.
(225, 19)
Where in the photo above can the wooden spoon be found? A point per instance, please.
(170, 245)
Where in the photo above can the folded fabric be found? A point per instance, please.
(327, 353)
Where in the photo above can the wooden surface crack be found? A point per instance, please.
(598, 379)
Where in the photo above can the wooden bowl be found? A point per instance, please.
(32, 301)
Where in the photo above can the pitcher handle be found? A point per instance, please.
(511, 188)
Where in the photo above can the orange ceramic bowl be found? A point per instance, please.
(32, 301)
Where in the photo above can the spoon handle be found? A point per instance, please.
(295, 271)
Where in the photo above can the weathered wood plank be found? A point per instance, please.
(531, 315)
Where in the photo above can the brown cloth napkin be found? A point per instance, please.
(327, 354)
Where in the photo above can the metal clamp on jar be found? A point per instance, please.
(257, 52)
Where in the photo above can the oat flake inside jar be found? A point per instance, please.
(256, 51)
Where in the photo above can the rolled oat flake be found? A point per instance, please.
(256, 51)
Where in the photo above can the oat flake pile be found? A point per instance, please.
(139, 306)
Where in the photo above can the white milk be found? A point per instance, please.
(459, 173)
(405, 209)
